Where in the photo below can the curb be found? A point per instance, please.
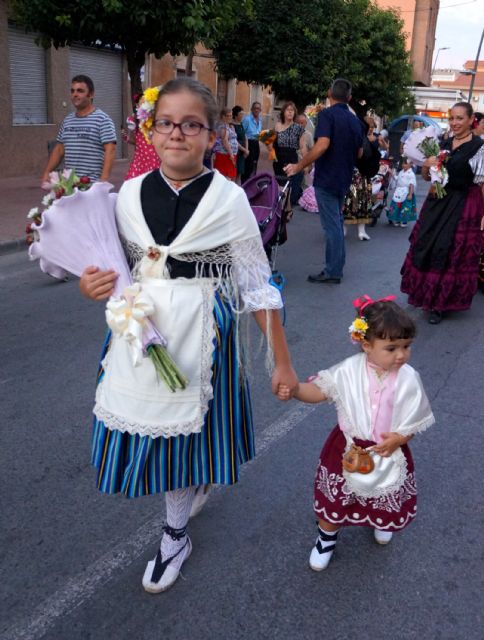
(10, 246)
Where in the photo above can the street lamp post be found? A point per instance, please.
(436, 58)
(476, 62)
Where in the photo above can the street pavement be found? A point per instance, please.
(72, 559)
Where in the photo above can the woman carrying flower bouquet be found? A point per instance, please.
(145, 157)
(290, 140)
(196, 250)
(440, 271)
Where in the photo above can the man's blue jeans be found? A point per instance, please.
(330, 212)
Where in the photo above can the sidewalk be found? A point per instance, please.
(19, 195)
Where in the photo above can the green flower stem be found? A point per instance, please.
(440, 192)
(166, 368)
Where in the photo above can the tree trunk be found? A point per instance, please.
(135, 60)
(189, 64)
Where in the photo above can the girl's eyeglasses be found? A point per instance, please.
(188, 128)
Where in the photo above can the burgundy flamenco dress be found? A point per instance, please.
(440, 270)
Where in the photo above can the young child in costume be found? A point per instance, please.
(196, 252)
(145, 157)
(308, 199)
(380, 404)
(403, 207)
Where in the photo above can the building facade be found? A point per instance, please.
(36, 91)
(36, 94)
(420, 22)
(460, 80)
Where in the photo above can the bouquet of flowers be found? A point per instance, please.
(312, 111)
(423, 144)
(79, 229)
(268, 137)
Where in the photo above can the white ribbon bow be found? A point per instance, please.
(126, 317)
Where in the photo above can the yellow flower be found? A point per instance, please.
(148, 123)
(151, 94)
(360, 324)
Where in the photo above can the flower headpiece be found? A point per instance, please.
(359, 326)
(145, 111)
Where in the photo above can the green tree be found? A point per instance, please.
(138, 28)
(299, 48)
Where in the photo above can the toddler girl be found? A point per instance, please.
(380, 404)
(403, 207)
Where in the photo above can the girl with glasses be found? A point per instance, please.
(195, 247)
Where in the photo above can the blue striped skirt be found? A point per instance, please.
(140, 465)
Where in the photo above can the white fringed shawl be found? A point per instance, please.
(347, 385)
(222, 231)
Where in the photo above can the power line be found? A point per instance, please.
(448, 6)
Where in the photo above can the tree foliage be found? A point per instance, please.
(299, 48)
(138, 28)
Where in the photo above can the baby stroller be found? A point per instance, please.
(270, 205)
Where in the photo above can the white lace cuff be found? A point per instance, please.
(477, 165)
(252, 273)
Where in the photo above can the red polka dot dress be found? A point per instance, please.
(145, 158)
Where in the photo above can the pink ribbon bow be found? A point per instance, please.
(364, 300)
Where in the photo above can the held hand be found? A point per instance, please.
(284, 376)
(96, 284)
(482, 223)
(284, 393)
(291, 170)
(391, 442)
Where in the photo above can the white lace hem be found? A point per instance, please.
(118, 423)
(166, 428)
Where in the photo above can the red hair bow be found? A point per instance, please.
(364, 300)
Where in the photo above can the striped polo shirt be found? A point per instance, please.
(84, 138)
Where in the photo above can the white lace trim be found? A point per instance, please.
(324, 381)
(133, 252)
(417, 427)
(477, 165)
(241, 273)
(335, 489)
(167, 429)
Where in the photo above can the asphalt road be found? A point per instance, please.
(72, 559)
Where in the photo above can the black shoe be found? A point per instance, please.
(435, 317)
(321, 277)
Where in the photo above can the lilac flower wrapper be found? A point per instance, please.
(80, 230)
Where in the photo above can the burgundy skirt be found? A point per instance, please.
(453, 288)
(335, 503)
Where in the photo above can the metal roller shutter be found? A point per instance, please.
(28, 78)
(105, 68)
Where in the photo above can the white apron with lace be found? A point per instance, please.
(221, 238)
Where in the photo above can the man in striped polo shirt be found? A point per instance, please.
(86, 138)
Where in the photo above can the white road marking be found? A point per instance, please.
(81, 587)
